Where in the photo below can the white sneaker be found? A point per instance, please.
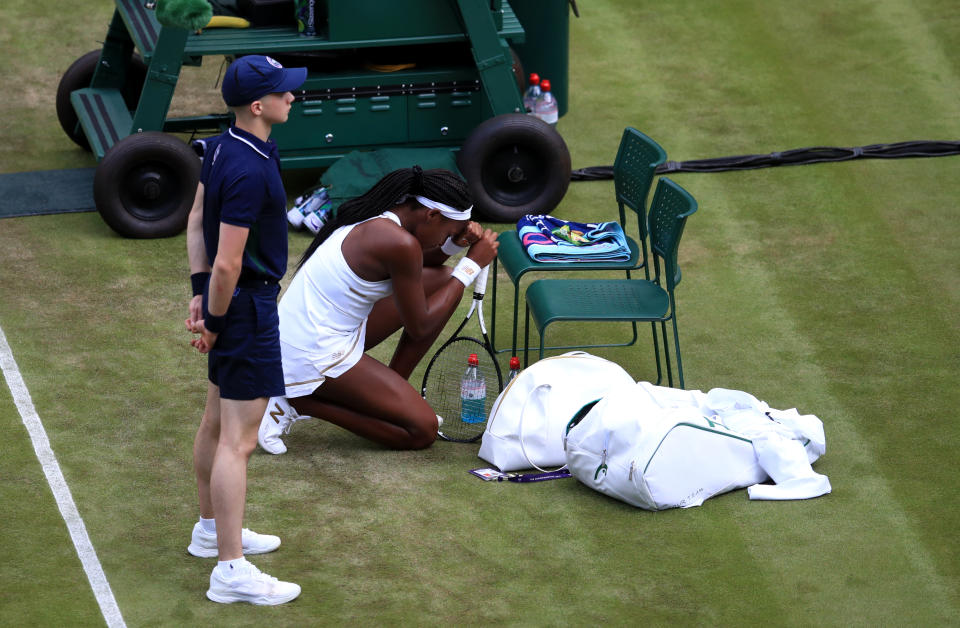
(249, 584)
(277, 420)
(204, 544)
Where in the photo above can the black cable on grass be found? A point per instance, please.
(795, 157)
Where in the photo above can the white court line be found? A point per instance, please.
(61, 492)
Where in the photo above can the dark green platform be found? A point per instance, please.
(46, 192)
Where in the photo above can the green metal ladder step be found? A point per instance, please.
(103, 115)
(141, 24)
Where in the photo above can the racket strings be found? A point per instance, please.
(444, 383)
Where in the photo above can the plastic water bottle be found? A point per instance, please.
(315, 220)
(514, 368)
(305, 205)
(473, 393)
(546, 108)
(305, 11)
(301, 208)
(532, 93)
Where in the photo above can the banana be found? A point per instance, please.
(227, 21)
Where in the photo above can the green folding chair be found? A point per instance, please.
(633, 300)
(637, 159)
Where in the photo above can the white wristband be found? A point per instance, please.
(451, 248)
(466, 271)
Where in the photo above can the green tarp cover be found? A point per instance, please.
(355, 173)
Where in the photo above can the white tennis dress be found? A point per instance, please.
(323, 315)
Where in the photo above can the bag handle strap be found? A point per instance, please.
(523, 449)
(494, 412)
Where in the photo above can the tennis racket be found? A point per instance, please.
(463, 421)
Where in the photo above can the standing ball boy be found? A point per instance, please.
(237, 247)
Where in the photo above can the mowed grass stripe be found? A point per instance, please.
(393, 538)
(97, 329)
(930, 56)
(447, 542)
(889, 340)
(874, 242)
(854, 256)
(43, 580)
(761, 313)
(864, 512)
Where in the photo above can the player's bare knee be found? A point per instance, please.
(425, 432)
(422, 440)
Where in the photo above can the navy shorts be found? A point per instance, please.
(245, 363)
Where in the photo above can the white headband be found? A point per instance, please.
(446, 210)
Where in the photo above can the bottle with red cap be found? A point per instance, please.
(532, 93)
(546, 107)
(473, 393)
(514, 368)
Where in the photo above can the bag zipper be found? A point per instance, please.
(603, 458)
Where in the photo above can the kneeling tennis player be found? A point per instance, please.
(376, 268)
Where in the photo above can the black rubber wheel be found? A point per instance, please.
(515, 164)
(78, 76)
(144, 186)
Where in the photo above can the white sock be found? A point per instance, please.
(209, 525)
(230, 567)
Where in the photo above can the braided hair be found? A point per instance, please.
(438, 185)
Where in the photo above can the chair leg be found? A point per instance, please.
(516, 308)
(666, 353)
(526, 335)
(656, 352)
(543, 336)
(676, 344)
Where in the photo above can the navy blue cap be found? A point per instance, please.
(254, 76)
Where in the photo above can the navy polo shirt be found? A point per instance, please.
(242, 187)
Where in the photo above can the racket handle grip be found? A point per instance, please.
(480, 283)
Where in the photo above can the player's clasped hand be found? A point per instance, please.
(472, 232)
(483, 250)
(205, 341)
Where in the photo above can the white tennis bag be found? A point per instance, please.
(528, 420)
(658, 448)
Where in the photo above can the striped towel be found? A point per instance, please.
(549, 239)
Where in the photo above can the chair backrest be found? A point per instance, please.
(669, 210)
(633, 172)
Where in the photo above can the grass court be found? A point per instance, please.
(832, 288)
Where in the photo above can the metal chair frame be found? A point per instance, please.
(631, 300)
(634, 169)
